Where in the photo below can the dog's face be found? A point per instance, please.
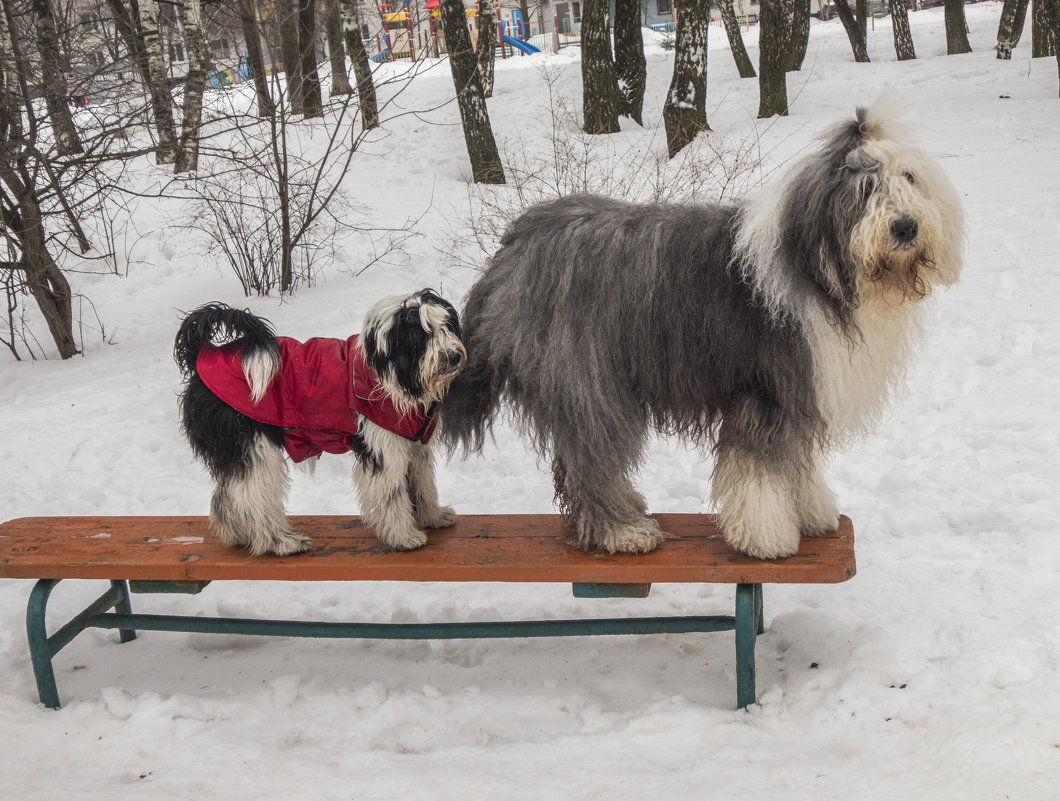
(413, 344)
(869, 219)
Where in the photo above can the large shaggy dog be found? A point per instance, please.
(769, 330)
(250, 396)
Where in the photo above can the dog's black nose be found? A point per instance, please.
(904, 230)
(454, 360)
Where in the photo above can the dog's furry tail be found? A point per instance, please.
(218, 324)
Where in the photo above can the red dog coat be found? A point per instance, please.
(321, 387)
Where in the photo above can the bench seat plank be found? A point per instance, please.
(514, 548)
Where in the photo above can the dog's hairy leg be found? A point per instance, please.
(248, 510)
(640, 536)
(756, 507)
(381, 479)
(816, 506)
(423, 491)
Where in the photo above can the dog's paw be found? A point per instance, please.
(639, 537)
(289, 543)
(818, 526)
(778, 544)
(405, 540)
(443, 517)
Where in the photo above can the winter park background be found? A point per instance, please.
(931, 675)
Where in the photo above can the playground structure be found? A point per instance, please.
(408, 32)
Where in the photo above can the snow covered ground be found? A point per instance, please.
(931, 675)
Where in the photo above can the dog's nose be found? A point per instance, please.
(454, 360)
(904, 230)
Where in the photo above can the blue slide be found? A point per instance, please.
(519, 44)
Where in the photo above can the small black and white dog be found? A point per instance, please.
(250, 396)
(769, 330)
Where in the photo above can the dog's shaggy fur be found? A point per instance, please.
(770, 330)
(413, 346)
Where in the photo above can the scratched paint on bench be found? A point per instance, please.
(524, 548)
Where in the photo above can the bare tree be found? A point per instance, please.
(252, 35)
(1042, 45)
(599, 85)
(685, 110)
(1010, 28)
(340, 81)
(478, 132)
(903, 37)
(362, 69)
(956, 29)
(736, 45)
(631, 68)
(54, 83)
(799, 39)
(157, 84)
(486, 46)
(853, 29)
(312, 102)
(773, 25)
(286, 18)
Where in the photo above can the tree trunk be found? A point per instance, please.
(631, 68)
(956, 29)
(128, 27)
(861, 11)
(486, 47)
(1010, 28)
(773, 40)
(685, 110)
(903, 37)
(799, 40)
(736, 45)
(194, 86)
(10, 88)
(478, 132)
(850, 25)
(340, 81)
(53, 79)
(158, 83)
(252, 35)
(362, 68)
(599, 85)
(287, 20)
(312, 103)
(1042, 45)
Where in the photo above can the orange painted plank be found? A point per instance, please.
(526, 548)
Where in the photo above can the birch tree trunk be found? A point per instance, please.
(903, 37)
(287, 20)
(772, 78)
(799, 40)
(158, 84)
(194, 85)
(685, 110)
(252, 35)
(312, 103)
(956, 29)
(362, 68)
(486, 47)
(53, 78)
(482, 150)
(631, 68)
(340, 81)
(850, 25)
(1042, 29)
(1010, 28)
(599, 85)
(736, 45)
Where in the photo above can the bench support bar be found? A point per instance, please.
(747, 624)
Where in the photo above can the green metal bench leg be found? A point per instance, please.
(42, 647)
(40, 652)
(748, 623)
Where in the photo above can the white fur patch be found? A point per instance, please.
(260, 369)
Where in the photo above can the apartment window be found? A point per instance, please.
(88, 21)
(663, 6)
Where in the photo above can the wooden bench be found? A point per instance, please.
(177, 554)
